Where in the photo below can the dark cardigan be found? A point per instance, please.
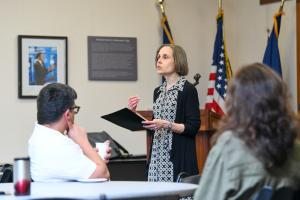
(183, 153)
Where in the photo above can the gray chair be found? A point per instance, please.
(264, 194)
(55, 198)
(183, 177)
(7, 176)
(154, 197)
(285, 193)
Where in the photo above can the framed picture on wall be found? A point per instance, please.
(42, 60)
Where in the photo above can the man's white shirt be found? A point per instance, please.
(55, 157)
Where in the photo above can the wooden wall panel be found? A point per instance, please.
(268, 1)
(298, 53)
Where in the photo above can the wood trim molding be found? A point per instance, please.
(268, 1)
(271, 1)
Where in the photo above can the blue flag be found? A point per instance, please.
(272, 55)
(167, 35)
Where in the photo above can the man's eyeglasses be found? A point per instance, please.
(75, 109)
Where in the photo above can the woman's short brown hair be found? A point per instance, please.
(180, 60)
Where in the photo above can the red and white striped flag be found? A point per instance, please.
(220, 72)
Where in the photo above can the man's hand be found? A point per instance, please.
(51, 68)
(77, 134)
(108, 152)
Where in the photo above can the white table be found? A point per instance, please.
(111, 190)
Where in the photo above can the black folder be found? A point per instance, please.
(126, 119)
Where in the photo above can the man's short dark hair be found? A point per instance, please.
(37, 56)
(53, 100)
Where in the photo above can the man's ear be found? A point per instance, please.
(67, 115)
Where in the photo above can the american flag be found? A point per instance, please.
(220, 72)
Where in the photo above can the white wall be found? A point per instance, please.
(193, 26)
(246, 31)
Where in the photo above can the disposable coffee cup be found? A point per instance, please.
(102, 147)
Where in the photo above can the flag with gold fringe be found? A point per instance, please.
(167, 34)
(272, 55)
(220, 72)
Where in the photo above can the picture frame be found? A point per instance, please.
(41, 60)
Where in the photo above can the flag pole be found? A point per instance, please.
(161, 5)
(272, 55)
(281, 5)
(220, 4)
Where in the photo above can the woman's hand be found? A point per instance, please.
(155, 124)
(133, 102)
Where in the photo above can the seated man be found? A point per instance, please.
(59, 148)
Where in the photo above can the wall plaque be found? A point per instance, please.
(112, 58)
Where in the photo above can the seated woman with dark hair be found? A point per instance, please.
(256, 144)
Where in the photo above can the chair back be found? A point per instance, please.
(284, 193)
(154, 197)
(183, 177)
(267, 193)
(191, 179)
(264, 194)
(7, 173)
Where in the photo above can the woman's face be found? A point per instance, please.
(165, 61)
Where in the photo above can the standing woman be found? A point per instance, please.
(176, 118)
